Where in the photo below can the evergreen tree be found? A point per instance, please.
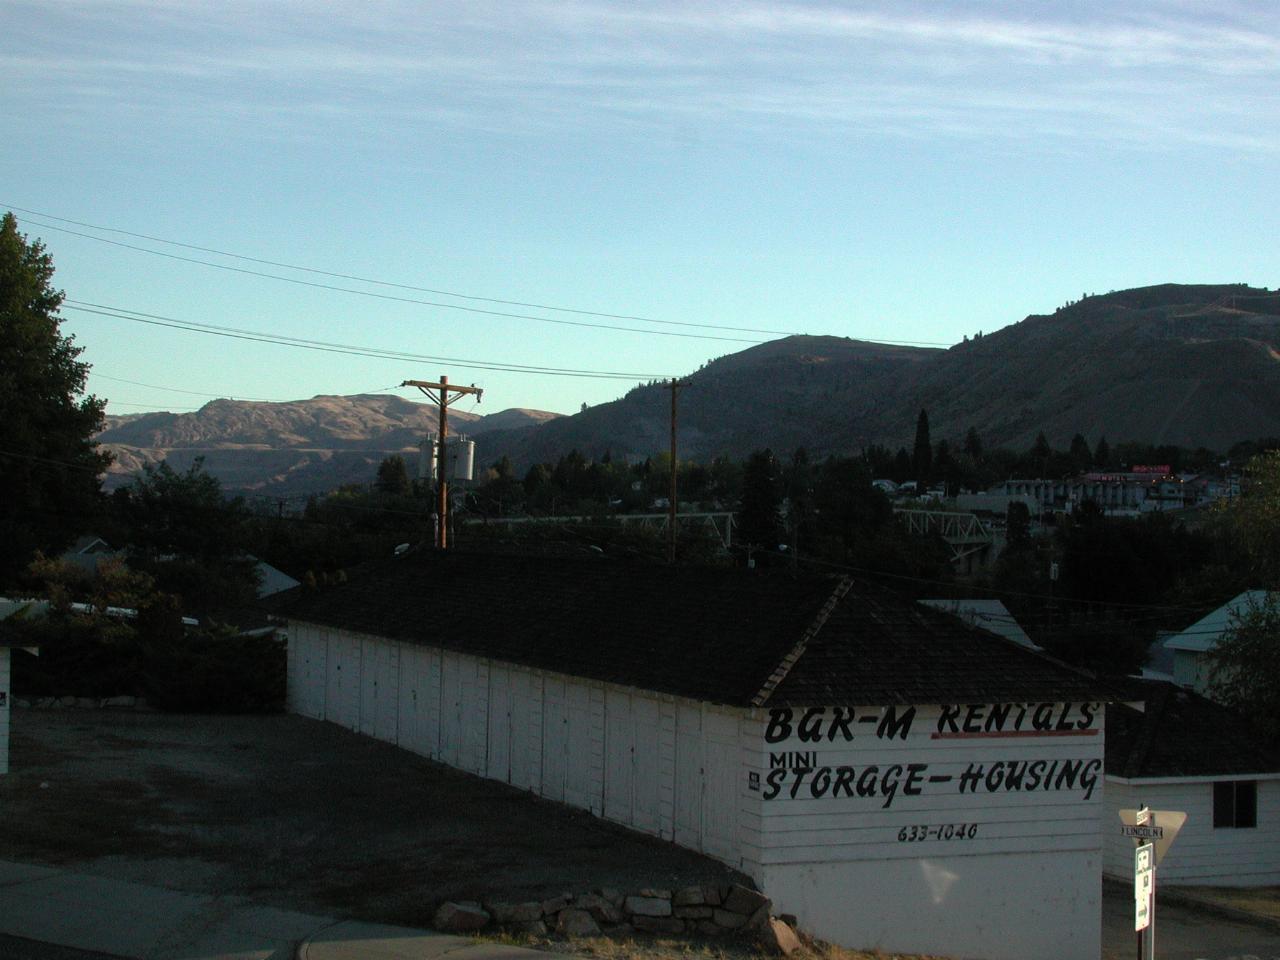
(973, 445)
(49, 463)
(759, 517)
(393, 476)
(922, 457)
(1102, 453)
(1080, 453)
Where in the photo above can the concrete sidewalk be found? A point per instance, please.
(86, 912)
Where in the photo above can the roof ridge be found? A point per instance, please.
(784, 667)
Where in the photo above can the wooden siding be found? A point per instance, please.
(1201, 853)
(920, 791)
(656, 763)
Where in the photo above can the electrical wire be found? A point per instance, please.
(404, 286)
(398, 299)
(158, 320)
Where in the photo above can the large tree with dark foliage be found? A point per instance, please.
(49, 463)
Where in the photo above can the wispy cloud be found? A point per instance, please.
(1154, 74)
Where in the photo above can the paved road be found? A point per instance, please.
(15, 948)
(1182, 933)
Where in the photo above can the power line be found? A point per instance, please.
(637, 318)
(158, 320)
(192, 393)
(397, 299)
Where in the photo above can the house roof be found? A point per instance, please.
(986, 613)
(1182, 734)
(1207, 631)
(728, 636)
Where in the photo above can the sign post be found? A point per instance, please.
(1153, 832)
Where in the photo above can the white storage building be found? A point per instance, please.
(889, 775)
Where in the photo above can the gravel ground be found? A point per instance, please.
(302, 815)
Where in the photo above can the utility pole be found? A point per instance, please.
(674, 386)
(438, 393)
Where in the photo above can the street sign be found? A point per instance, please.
(1143, 877)
(1143, 833)
(1164, 825)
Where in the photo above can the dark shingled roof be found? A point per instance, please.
(1182, 734)
(715, 634)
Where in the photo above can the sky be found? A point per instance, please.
(621, 189)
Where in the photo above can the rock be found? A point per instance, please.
(503, 912)
(708, 928)
(656, 893)
(556, 904)
(533, 928)
(689, 897)
(119, 701)
(647, 907)
(460, 917)
(22, 704)
(744, 901)
(613, 896)
(603, 910)
(85, 703)
(621, 931)
(573, 922)
(712, 894)
(778, 937)
(658, 924)
(790, 920)
(760, 919)
(526, 912)
(728, 919)
(692, 913)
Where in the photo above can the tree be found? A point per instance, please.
(393, 477)
(973, 445)
(759, 517)
(193, 540)
(1244, 666)
(1102, 453)
(922, 457)
(1252, 520)
(49, 463)
(1080, 453)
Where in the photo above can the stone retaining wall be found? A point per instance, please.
(707, 910)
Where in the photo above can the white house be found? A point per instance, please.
(1191, 646)
(1184, 752)
(889, 775)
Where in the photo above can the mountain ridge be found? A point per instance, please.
(1191, 365)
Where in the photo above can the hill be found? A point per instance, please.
(1191, 365)
(302, 446)
(1170, 364)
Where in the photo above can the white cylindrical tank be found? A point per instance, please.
(427, 458)
(462, 456)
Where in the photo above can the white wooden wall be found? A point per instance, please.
(1201, 853)
(915, 854)
(662, 765)
(6, 695)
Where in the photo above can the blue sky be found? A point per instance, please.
(896, 171)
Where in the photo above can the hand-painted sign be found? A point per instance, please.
(802, 774)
